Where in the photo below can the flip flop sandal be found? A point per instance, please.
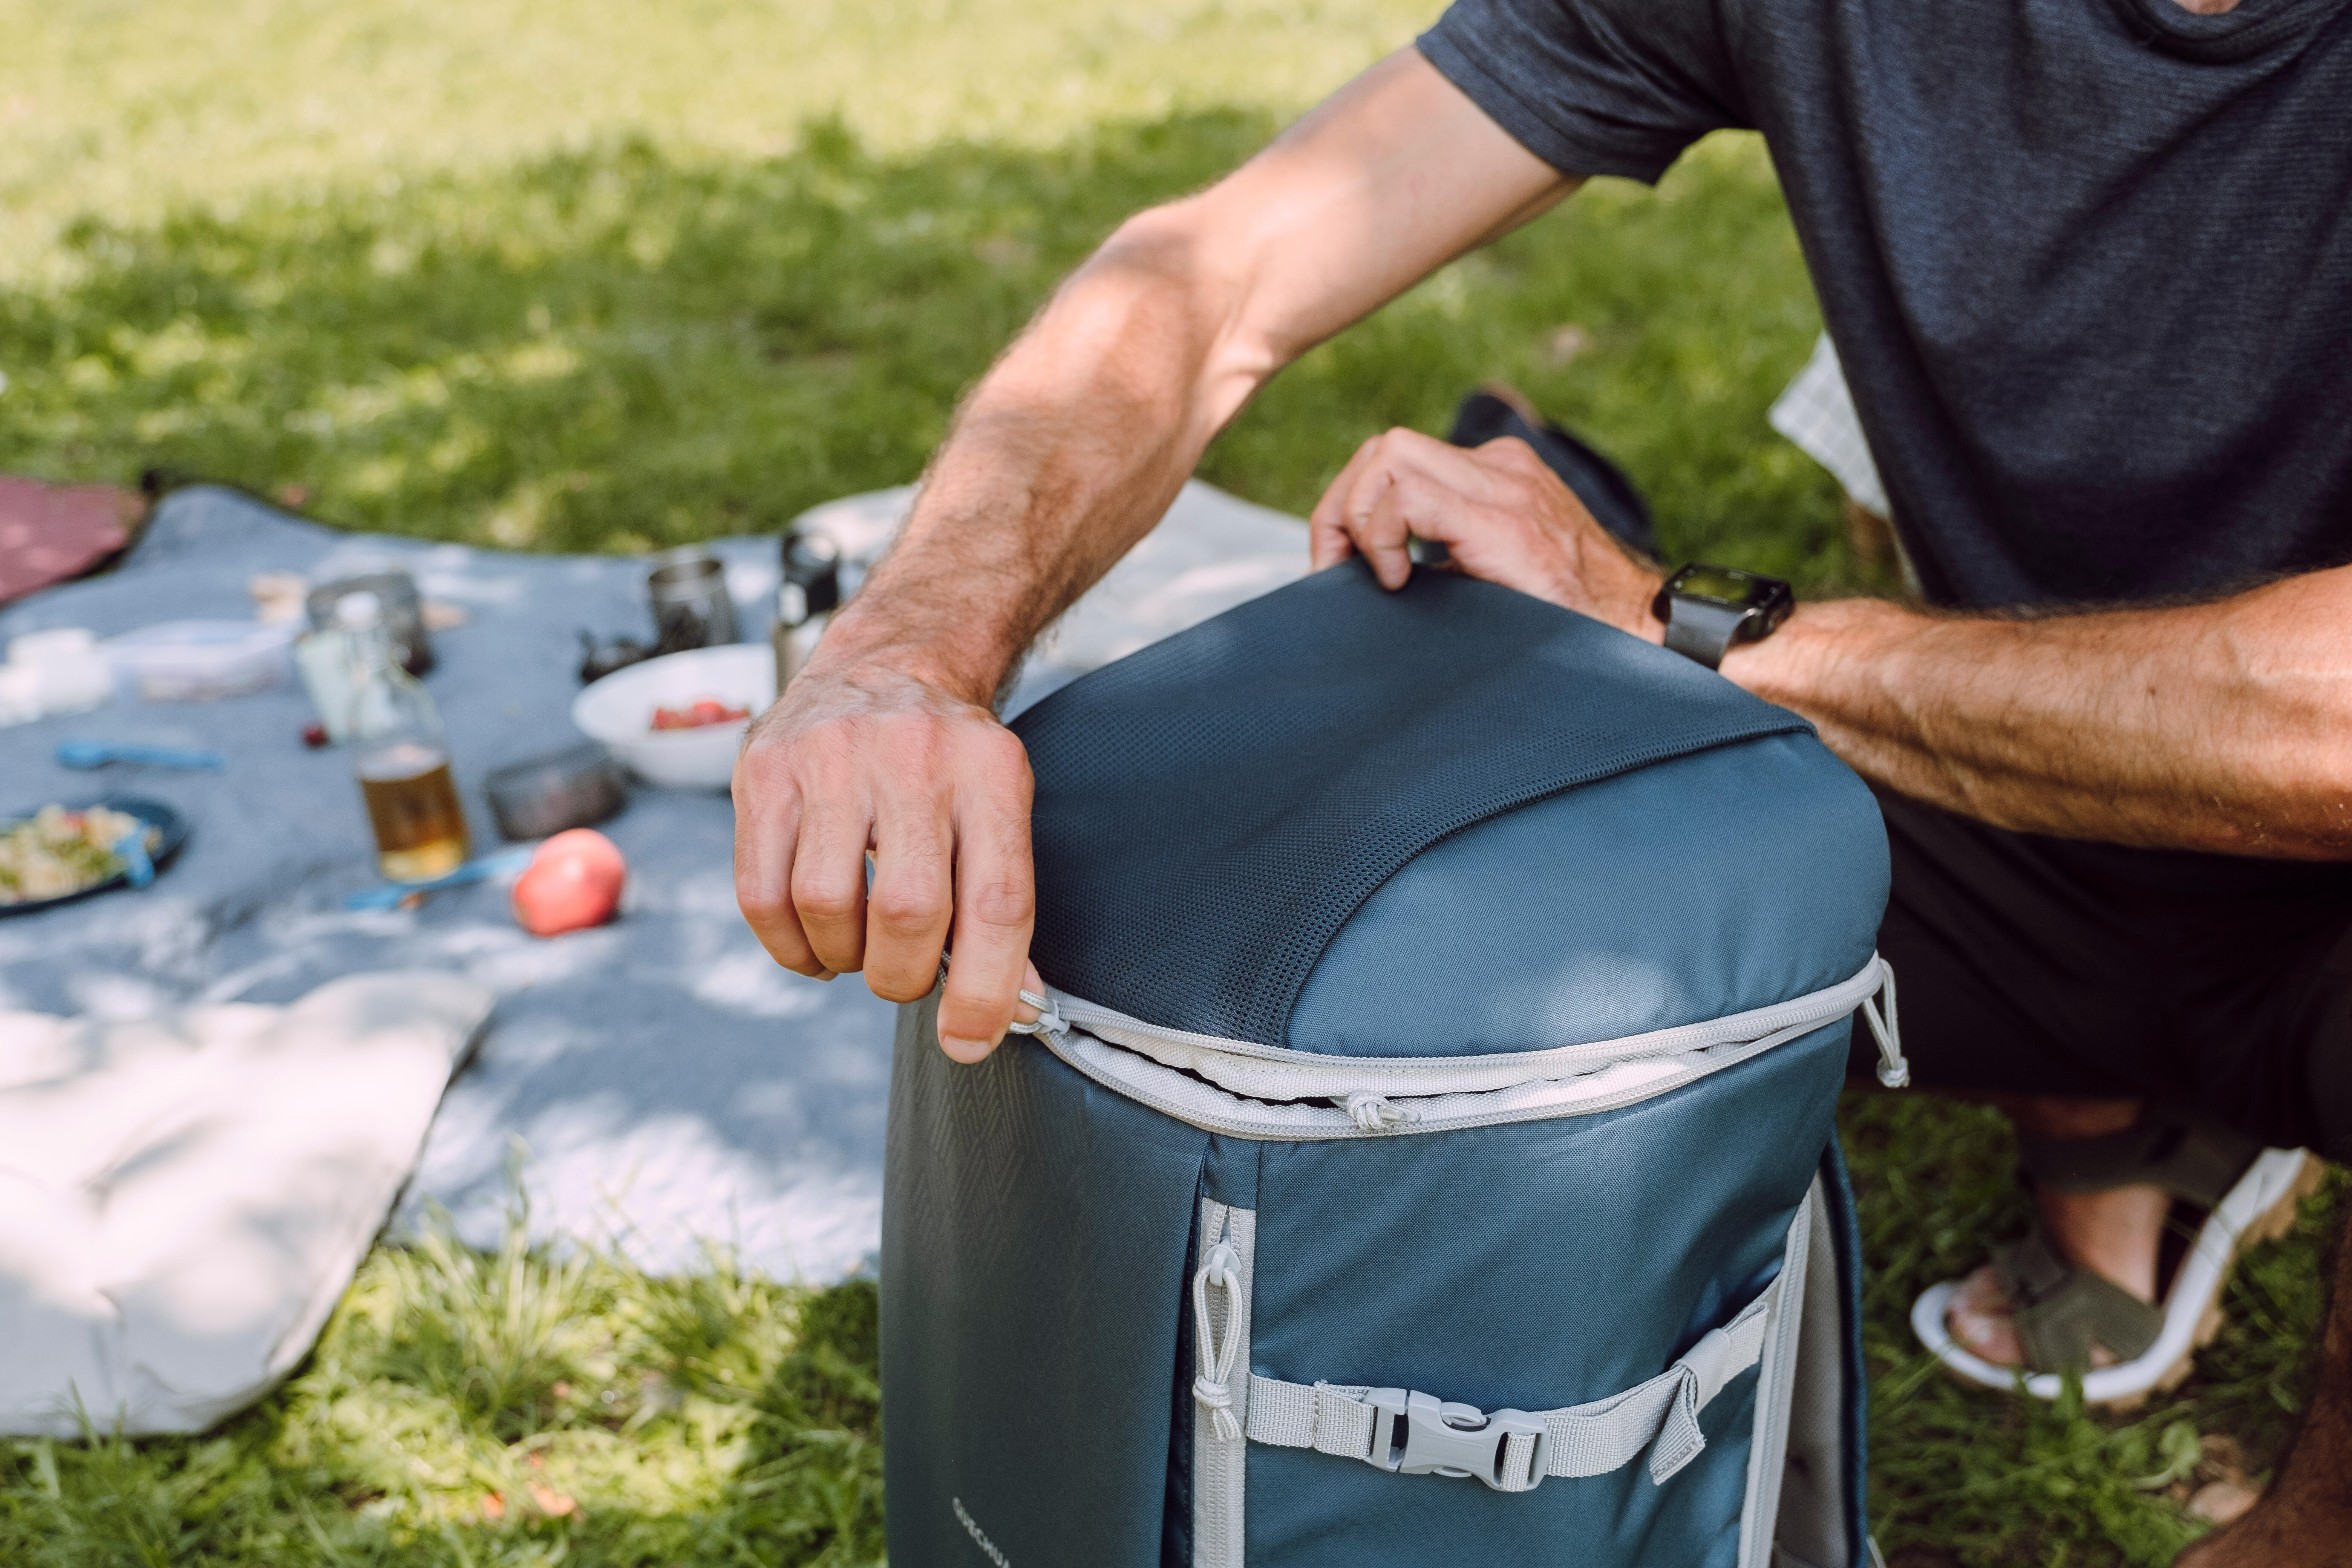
(2247, 1193)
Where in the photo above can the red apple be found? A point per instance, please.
(574, 881)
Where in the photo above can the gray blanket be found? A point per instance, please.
(664, 1085)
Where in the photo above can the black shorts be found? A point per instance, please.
(2034, 965)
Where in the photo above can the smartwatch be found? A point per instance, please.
(1708, 608)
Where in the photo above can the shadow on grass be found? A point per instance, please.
(619, 348)
(604, 350)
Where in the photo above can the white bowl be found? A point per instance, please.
(619, 712)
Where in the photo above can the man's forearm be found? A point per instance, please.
(2225, 726)
(1068, 452)
(1080, 437)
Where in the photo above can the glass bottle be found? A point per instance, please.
(401, 754)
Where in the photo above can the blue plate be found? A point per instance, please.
(154, 813)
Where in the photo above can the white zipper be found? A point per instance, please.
(1372, 1096)
(1266, 1091)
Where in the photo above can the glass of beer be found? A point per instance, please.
(401, 754)
(412, 804)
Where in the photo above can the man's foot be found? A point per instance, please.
(2116, 1235)
(2098, 1284)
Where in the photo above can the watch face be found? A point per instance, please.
(1741, 590)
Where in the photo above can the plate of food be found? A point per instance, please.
(64, 851)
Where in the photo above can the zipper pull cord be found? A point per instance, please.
(1213, 1388)
(1050, 1020)
(1893, 1070)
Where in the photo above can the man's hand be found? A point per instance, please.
(1507, 518)
(861, 758)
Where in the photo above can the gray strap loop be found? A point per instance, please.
(1679, 1439)
(1212, 1389)
(1049, 1020)
(1660, 1416)
(1376, 1113)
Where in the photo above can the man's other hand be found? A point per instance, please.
(860, 758)
(1504, 516)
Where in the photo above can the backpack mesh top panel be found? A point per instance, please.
(1210, 810)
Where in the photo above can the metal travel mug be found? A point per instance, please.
(806, 602)
(688, 589)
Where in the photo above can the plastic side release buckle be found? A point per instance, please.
(1420, 1435)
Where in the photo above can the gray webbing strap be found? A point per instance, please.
(1591, 1440)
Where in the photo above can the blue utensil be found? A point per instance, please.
(393, 894)
(98, 754)
(131, 849)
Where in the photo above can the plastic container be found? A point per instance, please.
(576, 787)
(59, 672)
(200, 661)
(619, 712)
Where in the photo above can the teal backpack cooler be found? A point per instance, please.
(1427, 1155)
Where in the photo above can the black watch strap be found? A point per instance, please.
(1703, 631)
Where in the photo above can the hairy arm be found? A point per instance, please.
(1068, 451)
(2224, 726)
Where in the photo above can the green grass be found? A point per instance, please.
(624, 347)
(599, 276)
(512, 1408)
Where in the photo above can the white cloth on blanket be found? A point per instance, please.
(1816, 412)
(183, 1198)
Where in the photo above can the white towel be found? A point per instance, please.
(183, 1200)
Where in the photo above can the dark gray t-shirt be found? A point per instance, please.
(2088, 263)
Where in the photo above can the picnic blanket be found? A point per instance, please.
(665, 1084)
